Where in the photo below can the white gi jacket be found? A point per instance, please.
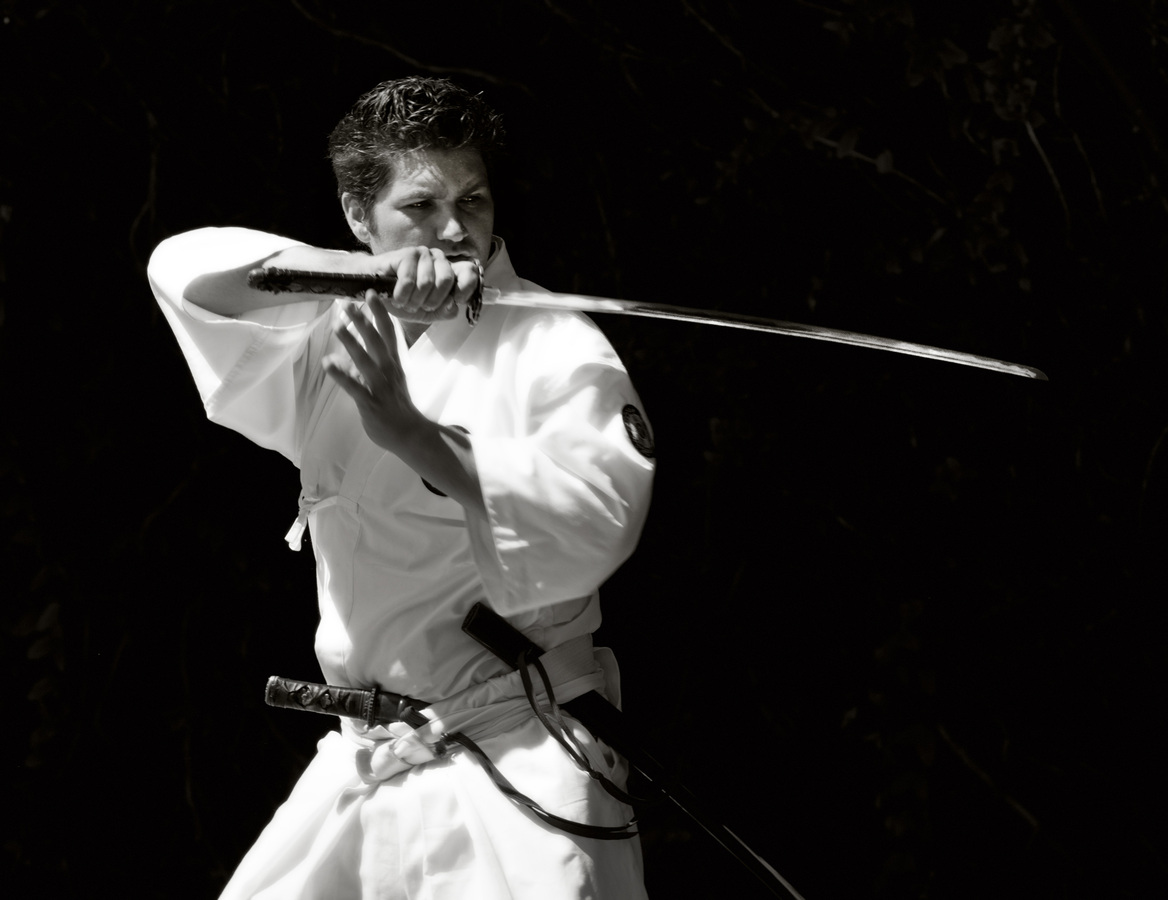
(566, 468)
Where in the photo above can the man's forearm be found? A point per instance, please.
(442, 456)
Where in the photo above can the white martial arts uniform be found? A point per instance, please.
(564, 461)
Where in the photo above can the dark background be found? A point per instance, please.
(902, 619)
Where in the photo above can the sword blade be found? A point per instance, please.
(345, 285)
(584, 303)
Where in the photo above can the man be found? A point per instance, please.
(442, 463)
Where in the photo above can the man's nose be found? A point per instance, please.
(452, 228)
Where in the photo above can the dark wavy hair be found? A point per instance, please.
(402, 115)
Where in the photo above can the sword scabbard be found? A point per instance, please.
(600, 717)
(605, 721)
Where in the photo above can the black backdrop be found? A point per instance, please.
(902, 619)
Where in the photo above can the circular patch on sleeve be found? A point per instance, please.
(638, 431)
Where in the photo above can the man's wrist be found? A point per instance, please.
(442, 457)
(415, 440)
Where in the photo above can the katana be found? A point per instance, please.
(277, 280)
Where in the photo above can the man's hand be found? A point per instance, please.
(373, 374)
(429, 286)
(374, 378)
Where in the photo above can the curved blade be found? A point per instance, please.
(588, 304)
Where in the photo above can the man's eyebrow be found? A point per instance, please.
(422, 193)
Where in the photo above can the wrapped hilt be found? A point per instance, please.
(373, 706)
(332, 284)
(342, 284)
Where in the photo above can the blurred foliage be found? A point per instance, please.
(903, 619)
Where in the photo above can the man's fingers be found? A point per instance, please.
(407, 275)
(416, 280)
(423, 283)
(377, 339)
(444, 280)
(467, 274)
(349, 383)
(385, 329)
(369, 367)
(429, 287)
(448, 310)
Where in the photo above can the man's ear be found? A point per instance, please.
(356, 217)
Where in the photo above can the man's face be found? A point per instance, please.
(436, 198)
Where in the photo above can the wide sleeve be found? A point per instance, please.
(567, 494)
(257, 372)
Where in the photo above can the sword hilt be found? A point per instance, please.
(342, 284)
(333, 284)
(372, 706)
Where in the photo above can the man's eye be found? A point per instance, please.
(421, 204)
(472, 199)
